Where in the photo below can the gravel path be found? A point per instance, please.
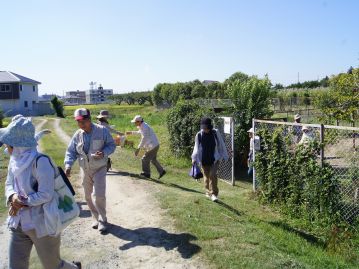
(139, 236)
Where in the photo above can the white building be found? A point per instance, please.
(19, 95)
(98, 96)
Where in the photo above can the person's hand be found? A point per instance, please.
(99, 155)
(68, 171)
(136, 152)
(13, 211)
(193, 162)
(16, 202)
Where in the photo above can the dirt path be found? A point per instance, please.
(4, 233)
(139, 235)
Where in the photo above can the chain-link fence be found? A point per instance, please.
(225, 126)
(339, 149)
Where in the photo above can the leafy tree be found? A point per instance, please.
(251, 99)
(341, 102)
(183, 122)
(58, 106)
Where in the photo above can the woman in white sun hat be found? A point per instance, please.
(26, 218)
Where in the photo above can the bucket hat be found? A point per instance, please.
(19, 133)
(103, 114)
(137, 118)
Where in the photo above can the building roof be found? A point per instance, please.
(11, 77)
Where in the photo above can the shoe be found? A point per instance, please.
(94, 224)
(214, 198)
(102, 226)
(162, 174)
(78, 264)
(145, 175)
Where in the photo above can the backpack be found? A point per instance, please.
(62, 209)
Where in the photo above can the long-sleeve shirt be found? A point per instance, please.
(31, 217)
(72, 153)
(148, 137)
(109, 128)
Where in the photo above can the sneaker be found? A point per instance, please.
(145, 175)
(78, 264)
(214, 198)
(162, 174)
(94, 224)
(102, 226)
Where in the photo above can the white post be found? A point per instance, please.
(232, 142)
(254, 155)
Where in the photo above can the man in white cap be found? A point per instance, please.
(91, 145)
(254, 145)
(150, 144)
(307, 136)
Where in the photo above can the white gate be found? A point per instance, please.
(225, 126)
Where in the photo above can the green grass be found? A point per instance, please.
(236, 233)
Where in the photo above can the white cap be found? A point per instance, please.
(297, 116)
(81, 113)
(137, 118)
(305, 127)
(250, 130)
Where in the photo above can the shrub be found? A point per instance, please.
(58, 106)
(183, 122)
(293, 179)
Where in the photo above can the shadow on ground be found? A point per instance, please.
(83, 213)
(308, 237)
(157, 238)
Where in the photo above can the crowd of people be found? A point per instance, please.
(30, 187)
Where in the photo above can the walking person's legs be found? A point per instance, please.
(206, 177)
(87, 183)
(20, 246)
(155, 162)
(99, 193)
(48, 250)
(214, 179)
(146, 159)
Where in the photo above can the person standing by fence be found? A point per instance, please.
(254, 145)
(209, 149)
(150, 144)
(91, 145)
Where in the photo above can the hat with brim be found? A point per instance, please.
(137, 118)
(250, 130)
(297, 116)
(19, 133)
(103, 114)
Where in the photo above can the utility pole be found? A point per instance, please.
(298, 77)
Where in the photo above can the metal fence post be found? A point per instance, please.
(254, 156)
(322, 129)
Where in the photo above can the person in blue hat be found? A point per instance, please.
(28, 188)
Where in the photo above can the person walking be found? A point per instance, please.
(209, 149)
(91, 145)
(28, 188)
(102, 119)
(149, 143)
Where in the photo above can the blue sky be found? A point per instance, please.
(133, 45)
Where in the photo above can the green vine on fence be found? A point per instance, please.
(291, 177)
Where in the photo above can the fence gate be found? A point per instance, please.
(225, 126)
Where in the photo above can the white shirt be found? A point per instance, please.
(148, 137)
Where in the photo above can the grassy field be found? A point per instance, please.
(238, 232)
